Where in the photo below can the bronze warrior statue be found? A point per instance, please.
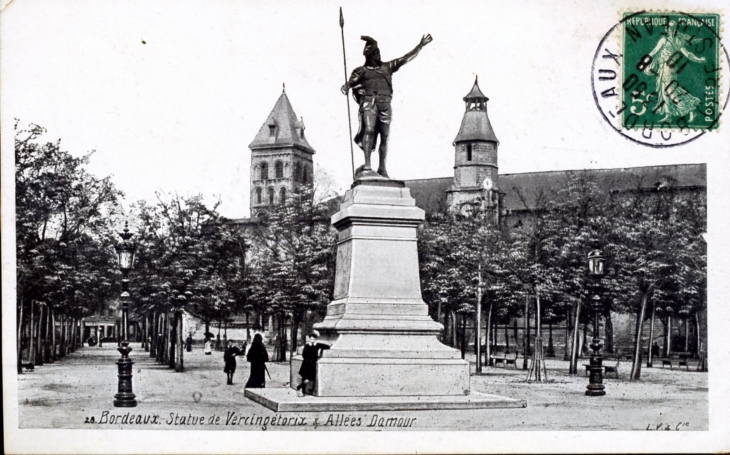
(372, 88)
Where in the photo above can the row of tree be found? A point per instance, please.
(191, 259)
(651, 236)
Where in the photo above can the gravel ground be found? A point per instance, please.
(71, 392)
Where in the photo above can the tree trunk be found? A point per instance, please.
(574, 345)
(650, 357)
(453, 328)
(179, 366)
(153, 335)
(697, 335)
(506, 338)
(39, 344)
(20, 337)
(636, 364)
(31, 356)
(609, 329)
(172, 336)
(225, 332)
(490, 330)
(526, 334)
(686, 333)
(566, 346)
(463, 336)
(53, 336)
(72, 330)
(48, 336)
(551, 347)
(295, 321)
(160, 338)
(517, 335)
(62, 341)
(248, 330)
(668, 337)
(438, 319)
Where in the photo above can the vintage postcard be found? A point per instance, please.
(365, 227)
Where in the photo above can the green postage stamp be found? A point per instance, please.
(660, 78)
(671, 70)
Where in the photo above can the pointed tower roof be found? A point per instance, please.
(475, 125)
(282, 128)
(476, 93)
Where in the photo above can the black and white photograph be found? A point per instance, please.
(365, 226)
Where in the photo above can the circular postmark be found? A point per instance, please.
(658, 77)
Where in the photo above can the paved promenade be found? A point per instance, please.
(79, 389)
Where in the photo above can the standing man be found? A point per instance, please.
(372, 88)
(308, 371)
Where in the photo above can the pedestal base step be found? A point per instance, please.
(286, 400)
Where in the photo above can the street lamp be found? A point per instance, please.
(478, 337)
(125, 398)
(595, 386)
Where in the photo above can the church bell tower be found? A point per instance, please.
(281, 158)
(475, 164)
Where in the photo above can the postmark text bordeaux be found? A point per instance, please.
(657, 77)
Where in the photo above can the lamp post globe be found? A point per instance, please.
(596, 271)
(126, 249)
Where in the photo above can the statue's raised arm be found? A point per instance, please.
(372, 88)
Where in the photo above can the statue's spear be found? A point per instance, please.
(349, 121)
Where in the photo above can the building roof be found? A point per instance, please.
(475, 125)
(616, 179)
(430, 194)
(475, 93)
(288, 129)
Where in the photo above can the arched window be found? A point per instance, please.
(306, 175)
(279, 170)
(297, 172)
(258, 195)
(282, 196)
(264, 171)
(271, 196)
(468, 152)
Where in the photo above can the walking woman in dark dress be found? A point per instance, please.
(229, 357)
(308, 371)
(257, 357)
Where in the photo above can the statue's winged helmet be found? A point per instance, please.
(370, 45)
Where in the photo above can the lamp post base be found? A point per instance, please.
(595, 386)
(124, 397)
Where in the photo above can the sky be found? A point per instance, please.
(170, 94)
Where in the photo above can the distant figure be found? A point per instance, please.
(206, 347)
(655, 350)
(189, 343)
(257, 357)
(308, 371)
(229, 357)
(98, 333)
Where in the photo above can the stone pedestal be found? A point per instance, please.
(383, 342)
(384, 352)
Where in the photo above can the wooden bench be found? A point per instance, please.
(505, 359)
(682, 360)
(611, 367)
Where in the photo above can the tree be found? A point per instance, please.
(64, 235)
(298, 248)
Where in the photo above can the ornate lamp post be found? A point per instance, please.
(595, 272)
(125, 398)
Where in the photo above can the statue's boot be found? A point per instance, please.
(367, 148)
(381, 167)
